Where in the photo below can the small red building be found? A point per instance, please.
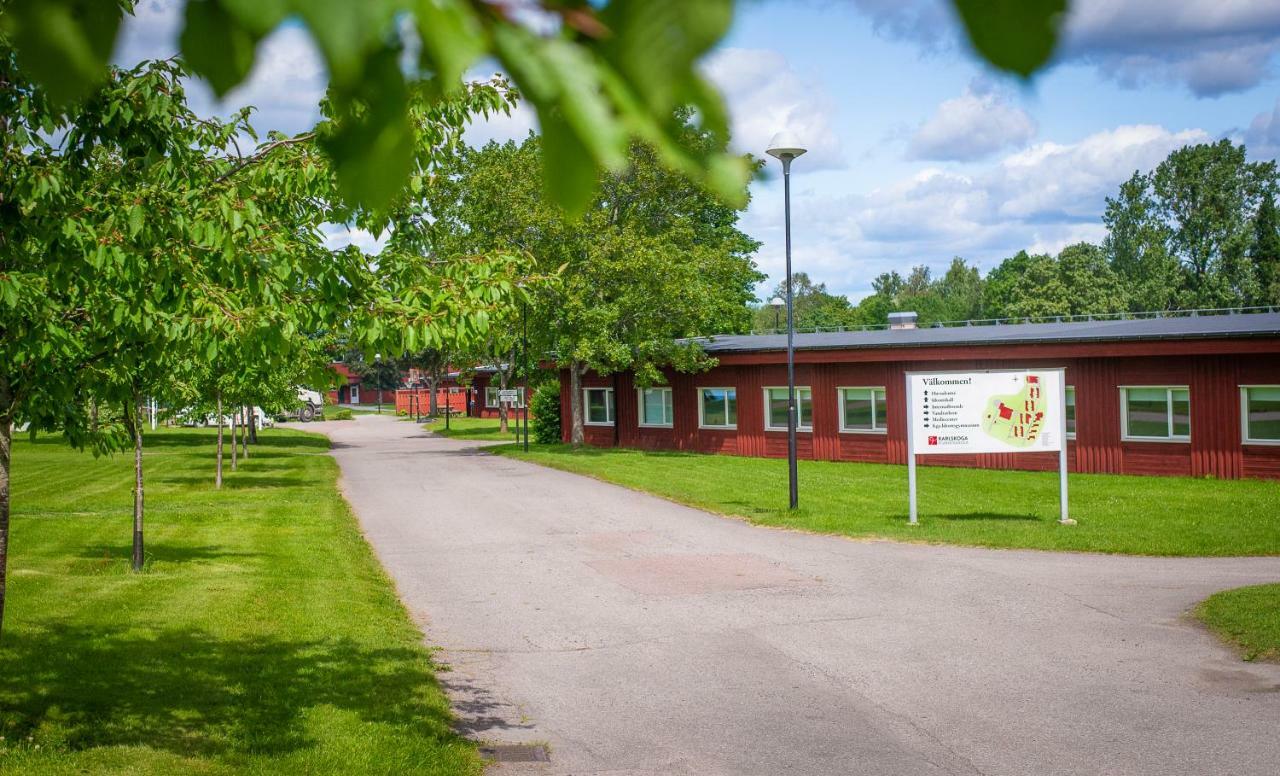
(1191, 395)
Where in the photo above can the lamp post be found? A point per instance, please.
(777, 304)
(785, 147)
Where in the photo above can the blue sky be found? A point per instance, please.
(919, 153)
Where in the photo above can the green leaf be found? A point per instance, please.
(216, 45)
(1014, 35)
(451, 39)
(570, 174)
(63, 45)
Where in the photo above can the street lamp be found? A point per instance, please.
(377, 375)
(777, 304)
(785, 147)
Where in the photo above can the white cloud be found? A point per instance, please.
(1042, 198)
(974, 125)
(340, 236)
(766, 95)
(1263, 136)
(1211, 47)
(501, 127)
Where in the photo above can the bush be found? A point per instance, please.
(338, 414)
(545, 412)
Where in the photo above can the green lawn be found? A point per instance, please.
(262, 637)
(1248, 617)
(1135, 515)
(477, 429)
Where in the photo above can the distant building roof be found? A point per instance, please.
(1164, 328)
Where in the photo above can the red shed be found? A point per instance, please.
(1187, 395)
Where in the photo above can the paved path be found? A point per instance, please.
(640, 637)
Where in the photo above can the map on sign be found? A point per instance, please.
(986, 412)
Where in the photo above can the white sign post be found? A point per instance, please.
(996, 411)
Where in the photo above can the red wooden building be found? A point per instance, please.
(1193, 395)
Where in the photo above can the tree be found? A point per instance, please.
(1092, 286)
(813, 307)
(1137, 247)
(599, 76)
(1265, 251)
(1026, 286)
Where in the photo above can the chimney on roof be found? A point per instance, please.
(902, 320)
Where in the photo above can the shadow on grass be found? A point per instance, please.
(267, 440)
(189, 692)
(984, 516)
(244, 480)
(164, 553)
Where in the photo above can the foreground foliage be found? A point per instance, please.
(1248, 617)
(1117, 514)
(261, 637)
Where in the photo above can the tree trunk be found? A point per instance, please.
(235, 461)
(6, 441)
(246, 418)
(502, 405)
(217, 477)
(253, 425)
(433, 406)
(137, 483)
(576, 436)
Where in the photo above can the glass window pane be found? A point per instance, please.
(777, 408)
(1148, 412)
(881, 409)
(1071, 410)
(858, 409)
(713, 409)
(1263, 414)
(731, 410)
(1181, 412)
(655, 406)
(668, 405)
(597, 406)
(805, 396)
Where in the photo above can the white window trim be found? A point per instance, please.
(1124, 414)
(491, 390)
(881, 428)
(701, 424)
(640, 407)
(800, 427)
(609, 407)
(1244, 418)
(1071, 389)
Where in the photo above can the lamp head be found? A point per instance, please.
(776, 302)
(785, 146)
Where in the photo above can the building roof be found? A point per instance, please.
(1170, 328)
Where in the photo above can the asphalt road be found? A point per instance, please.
(635, 636)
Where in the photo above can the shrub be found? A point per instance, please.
(339, 414)
(545, 411)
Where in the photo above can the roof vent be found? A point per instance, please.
(902, 320)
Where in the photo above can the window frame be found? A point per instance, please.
(669, 404)
(610, 408)
(800, 427)
(1125, 436)
(1244, 418)
(1069, 391)
(726, 389)
(491, 390)
(878, 427)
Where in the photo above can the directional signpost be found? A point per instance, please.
(1006, 411)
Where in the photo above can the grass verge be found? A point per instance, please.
(476, 429)
(1247, 618)
(262, 636)
(1116, 514)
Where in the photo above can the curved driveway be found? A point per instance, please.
(636, 636)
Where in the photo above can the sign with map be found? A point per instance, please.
(986, 412)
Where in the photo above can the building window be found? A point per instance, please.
(718, 407)
(1071, 412)
(775, 409)
(1260, 413)
(655, 407)
(600, 408)
(862, 410)
(1156, 413)
(491, 398)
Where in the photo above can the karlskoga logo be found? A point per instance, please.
(948, 440)
(933, 440)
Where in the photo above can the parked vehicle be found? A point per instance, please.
(310, 406)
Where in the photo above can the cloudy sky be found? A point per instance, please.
(917, 152)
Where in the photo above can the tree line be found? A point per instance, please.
(1199, 231)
